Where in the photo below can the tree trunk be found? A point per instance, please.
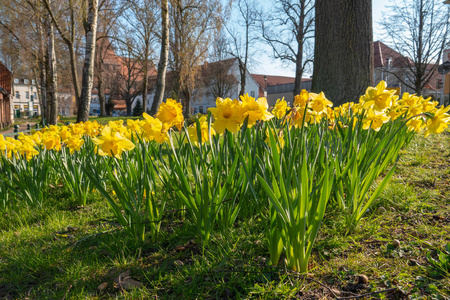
(242, 72)
(162, 64)
(145, 84)
(52, 77)
(298, 69)
(299, 58)
(90, 29)
(186, 103)
(101, 92)
(343, 55)
(42, 82)
(129, 106)
(74, 72)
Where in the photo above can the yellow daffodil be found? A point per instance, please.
(227, 115)
(255, 109)
(439, 122)
(301, 99)
(280, 108)
(51, 140)
(171, 112)
(378, 97)
(112, 143)
(204, 132)
(374, 119)
(415, 124)
(74, 144)
(319, 103)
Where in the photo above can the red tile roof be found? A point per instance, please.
(382, 52)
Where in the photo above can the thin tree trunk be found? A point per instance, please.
(162, 64)
(42, 74)
(145, 84)
(52, 77)
(88, 69)
(242, 71)
(298, 69)
(101, 92)
(186, 103)
(299, 58)
(74, 72)
(343, 55)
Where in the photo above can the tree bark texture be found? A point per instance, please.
(90, 28)
(145, 83)
(343, 55)
(42, 81)
(162, 64)
(52, 77)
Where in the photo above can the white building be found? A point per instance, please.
(25, 98)
(211, 81)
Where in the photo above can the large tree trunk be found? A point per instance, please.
(162, 64)
(88, 69)
(52, 87)
(343, 55)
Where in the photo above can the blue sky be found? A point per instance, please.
(270, 66)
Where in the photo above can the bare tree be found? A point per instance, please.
(418, 30)
(163, 58)
(290, 33)
(216, 75)
(108, 17)
(68, 26)
(194, 24)
(243, 35)
(343, 55)
(129, 76)
(32, 37)
(142, 17)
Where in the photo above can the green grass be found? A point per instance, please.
(41, 258)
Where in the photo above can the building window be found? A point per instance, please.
(17, 95)
(200, 109)
(195, 110)
(33, 81)
(35, 97)
(27, 95)
(26, 81)
(16, 80)
(252, 94)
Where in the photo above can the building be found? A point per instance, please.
(120, 78)
(389, 65)
(6, 118)
(25, 98)
(279, 87)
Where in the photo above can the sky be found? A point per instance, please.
(270, 66)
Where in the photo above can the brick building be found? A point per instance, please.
(5, 96)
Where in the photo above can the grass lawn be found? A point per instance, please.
(62, 251)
